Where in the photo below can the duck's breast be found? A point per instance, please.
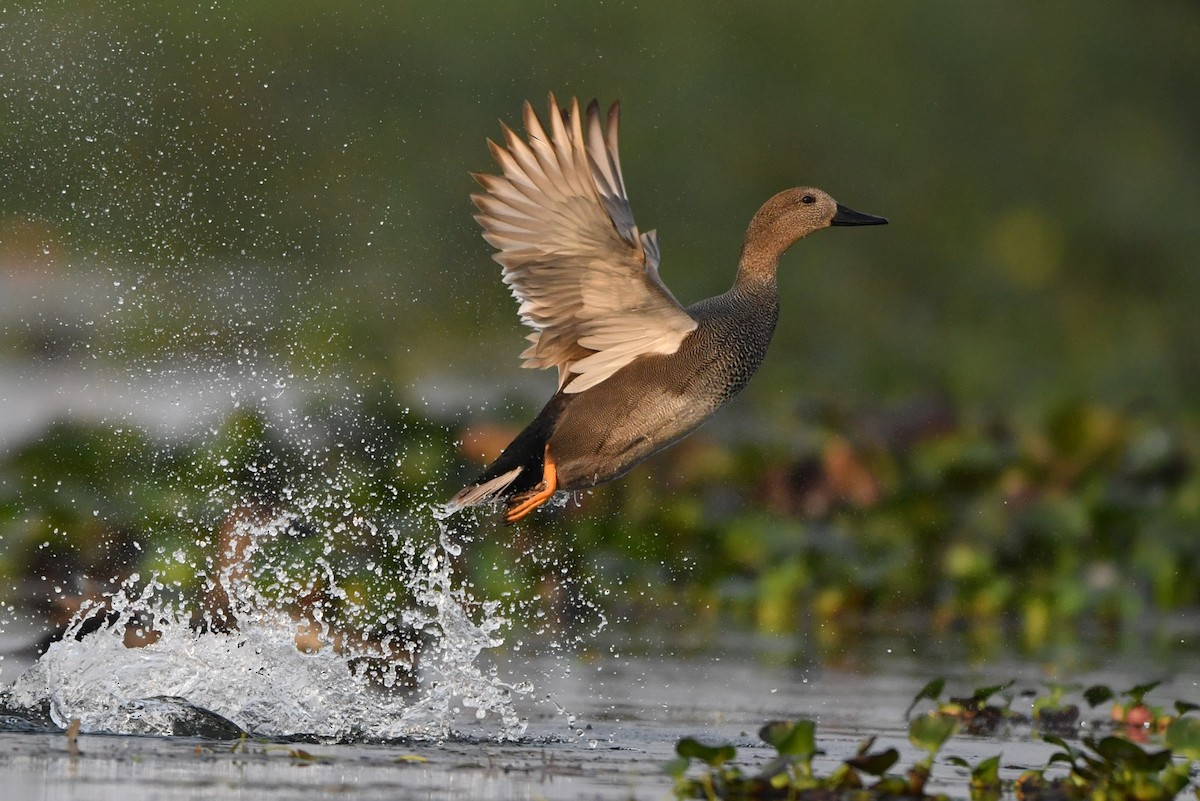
(653, 402)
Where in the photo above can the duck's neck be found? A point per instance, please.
(755, 279)
(756, 292)
(756, 272)
(763, 245)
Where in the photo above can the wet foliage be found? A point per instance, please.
(790, 775)
(1123, 764)
(1025, 526)
(1003, 526)
(86, 507)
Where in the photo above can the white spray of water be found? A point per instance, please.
(255, 675)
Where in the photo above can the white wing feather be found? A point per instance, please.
(586, 279)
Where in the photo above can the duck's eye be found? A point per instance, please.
(808, 200)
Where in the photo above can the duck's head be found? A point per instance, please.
(792, 214)
(799, 211)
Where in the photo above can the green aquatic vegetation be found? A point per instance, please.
(973, 712)
(1052, 712)
(1134, 712)
(985, 783)
(1110, 768)
(1137, 693)
(1183, 736)
(1097, 694)
(928, 732)
(717, 780)
(86, 506)
(983, 524)
(1047, 524)
(790, 774)
(932, 691)
(1130, 709)
(796, 744)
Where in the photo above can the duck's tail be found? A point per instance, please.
(519, 469)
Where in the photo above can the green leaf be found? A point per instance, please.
(891, 786)
(1137, 693)
(864, 746)
(776, 767)
(1119, 750)
(981, 694)
(1057, 717)
(1183, 737)
(931, 731)
(1054, 739)
(1175, 778)
(711, 755)
(1057, 691)
(1097, 694)
(677, 766)
(987, 771)
(1183, 707)
(932, 691)
(875, 764)
(774, 732)
(791, 739)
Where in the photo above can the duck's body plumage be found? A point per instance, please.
(660, 398)
(637, 371)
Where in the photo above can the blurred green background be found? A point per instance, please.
(1040, 166)
(219, 187)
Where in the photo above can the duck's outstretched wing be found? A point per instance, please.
(586, 280)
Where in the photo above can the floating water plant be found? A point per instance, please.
(973, 711)
(1110, 768)
(1052, 712)
(983, 527)
(790, 774)
(985, 777)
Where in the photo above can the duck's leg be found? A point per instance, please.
(524, 504)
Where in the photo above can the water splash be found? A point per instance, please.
(275, 672)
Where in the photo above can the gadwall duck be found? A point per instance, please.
(636, 370)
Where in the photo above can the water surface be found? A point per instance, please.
(600, 724)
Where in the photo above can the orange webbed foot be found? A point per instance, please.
(527, 502)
